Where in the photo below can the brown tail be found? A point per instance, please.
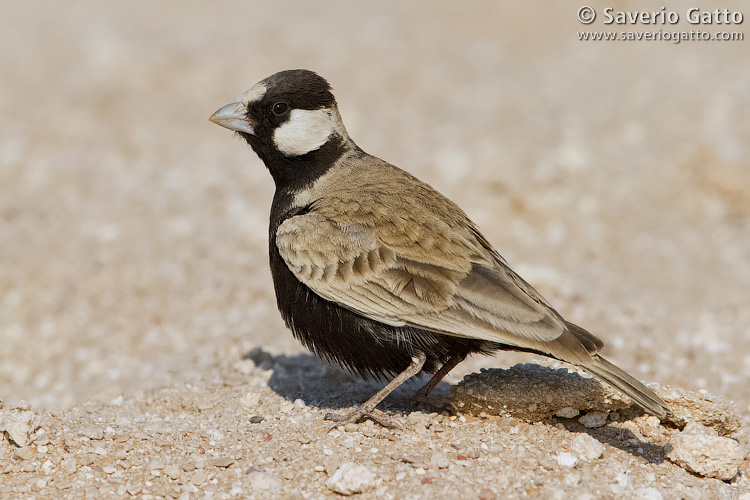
(612, 374)
(615, 376)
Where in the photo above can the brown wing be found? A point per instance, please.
(392, 268)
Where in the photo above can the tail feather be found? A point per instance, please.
(618, 378)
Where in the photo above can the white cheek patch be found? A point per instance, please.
(306, 130)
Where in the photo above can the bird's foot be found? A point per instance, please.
(360, 413)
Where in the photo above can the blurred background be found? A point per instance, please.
(614, 176)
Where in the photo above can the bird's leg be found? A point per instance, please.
(367, 409)
(421, 394)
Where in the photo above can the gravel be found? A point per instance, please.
(137, 318)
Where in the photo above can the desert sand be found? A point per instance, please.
(142, 354)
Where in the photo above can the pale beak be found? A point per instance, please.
(234, 117)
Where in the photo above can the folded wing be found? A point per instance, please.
(450, 283)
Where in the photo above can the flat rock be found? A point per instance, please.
(535, 393)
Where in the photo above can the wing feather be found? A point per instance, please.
(445, 282)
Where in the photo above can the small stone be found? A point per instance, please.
(594, 419)
(256, 419)
(548, 463)
(586, 447)
(133, 488)
(63, 484)
(566, 459)
(414, 460)
(351, 427)
(474, 453)
(263, 481)
(650, 426)
(352, 478)
(69, 465)
(567, 412)
(91, 431)
(705, 454)
(109, 469)
(156, 464)
(122, 437)
(221, 462)
(172, 471)
(188, 466)
(25, 453)
(19, 426)
(262, 436)
(299, 404)
(199, 477)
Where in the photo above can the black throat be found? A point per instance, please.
(294, 173)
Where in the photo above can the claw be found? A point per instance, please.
(359, 414)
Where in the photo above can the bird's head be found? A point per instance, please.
(292, 122)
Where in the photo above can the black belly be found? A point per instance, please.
(361, 345)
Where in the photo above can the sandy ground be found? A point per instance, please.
(614, 176)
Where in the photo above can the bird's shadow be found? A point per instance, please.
(328, 387)
(325, 386)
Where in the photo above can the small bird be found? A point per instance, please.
(378, 272)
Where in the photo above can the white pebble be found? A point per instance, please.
(264, 481)
(586, 447)
(352, 478)
(18, 425)
(566, 459)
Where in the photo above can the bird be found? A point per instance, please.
(376, 271)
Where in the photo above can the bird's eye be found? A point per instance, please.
(280, 108)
